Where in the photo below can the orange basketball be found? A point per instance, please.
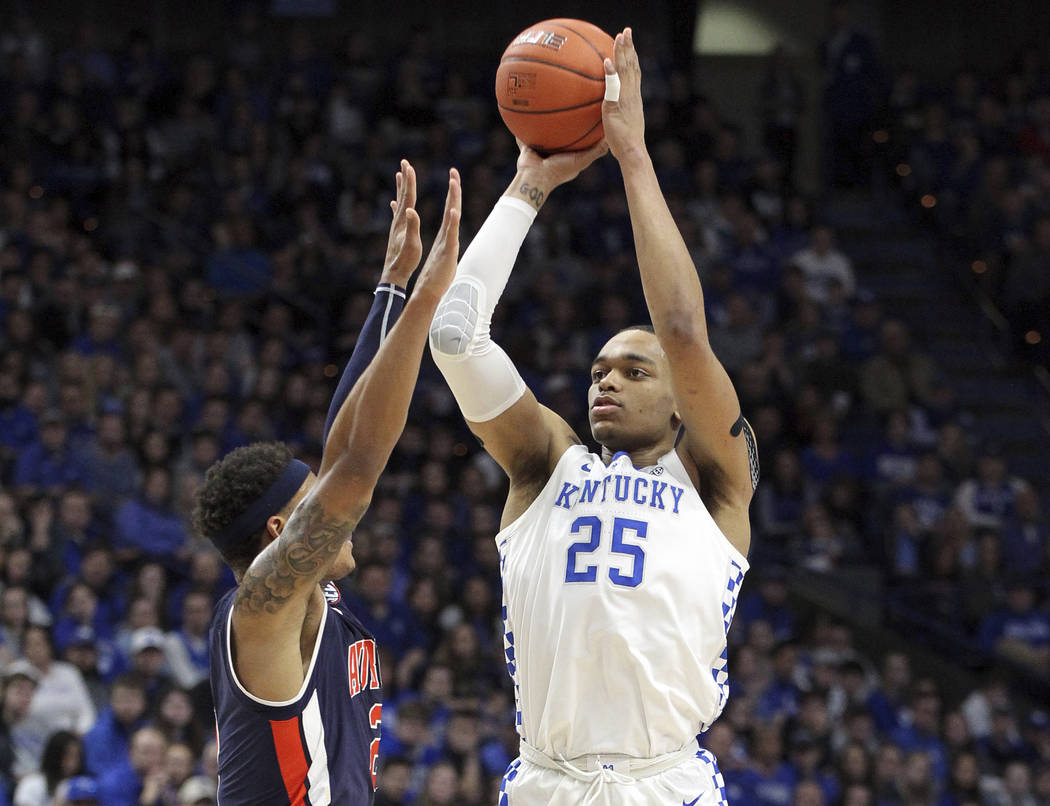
(551, 82)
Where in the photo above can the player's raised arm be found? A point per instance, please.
(372, 418)
(716, 435)
(524, 437)
(403, 251)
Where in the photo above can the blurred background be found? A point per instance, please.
(193, 215)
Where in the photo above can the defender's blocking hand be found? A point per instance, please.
(404, 247)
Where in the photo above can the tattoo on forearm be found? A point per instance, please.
(742, 425)
(532, 194)
(307, 545)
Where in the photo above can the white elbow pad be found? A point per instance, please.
(481, 376)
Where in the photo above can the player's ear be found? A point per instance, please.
(676, 420)
(274, 527)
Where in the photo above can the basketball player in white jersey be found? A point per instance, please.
(620, 570)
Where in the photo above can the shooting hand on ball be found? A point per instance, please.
(537, 175)
(622, 118)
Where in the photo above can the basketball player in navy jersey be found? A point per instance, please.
(620, 569)
(294, 674)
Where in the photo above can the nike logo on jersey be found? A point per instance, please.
(619, 487)
(690, 803)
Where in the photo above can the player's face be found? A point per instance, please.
(630, 402)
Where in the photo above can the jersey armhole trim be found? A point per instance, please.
(734, 553)
(306, 680)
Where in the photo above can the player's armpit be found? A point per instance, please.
(715, 431)
(526, 440)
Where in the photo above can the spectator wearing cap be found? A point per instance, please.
(106, 745)
(989, 497)
(141, 777)
(147, 525)
(93, 657)
(49, 464)
(61, 700)
(1019, 630)
(18, 752)
(63, 758)
(198, 791)
(149, 658)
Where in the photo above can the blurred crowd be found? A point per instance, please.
(188, 244)
(976, 149)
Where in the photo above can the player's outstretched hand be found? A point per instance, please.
(557, 169)
(440, 267)
(623, 119)
(404, 247)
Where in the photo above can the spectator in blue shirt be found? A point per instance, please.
(141, 777)
(1019, 631)
(147, 525)
(923, 733)
(17, 423)
(49, 464)
(106, 745)
(769, 781)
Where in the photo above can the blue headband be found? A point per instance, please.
(271, 501)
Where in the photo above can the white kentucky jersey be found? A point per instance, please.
(618, 593)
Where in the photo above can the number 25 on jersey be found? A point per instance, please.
(621, 528)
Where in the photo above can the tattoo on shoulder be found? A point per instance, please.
(743, 426)
(307, 545)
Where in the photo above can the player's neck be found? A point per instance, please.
(640, 457)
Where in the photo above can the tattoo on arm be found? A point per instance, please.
(532, 194)
(742, 425)
(307, 545)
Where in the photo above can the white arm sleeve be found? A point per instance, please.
(480, 375)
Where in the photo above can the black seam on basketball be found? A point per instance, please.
(549, 111)
(601, 58)
(574, 142)
(551, 64)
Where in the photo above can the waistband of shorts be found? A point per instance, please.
(583, 767)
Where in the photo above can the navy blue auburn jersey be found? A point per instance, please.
(320, 747)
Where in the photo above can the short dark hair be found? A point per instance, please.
(644, 328)
(230, 485)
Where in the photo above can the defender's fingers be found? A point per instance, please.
(412, 217)
(410, 184)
